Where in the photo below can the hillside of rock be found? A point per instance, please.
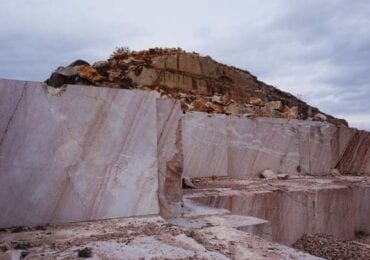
(201, 83)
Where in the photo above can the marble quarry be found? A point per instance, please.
(83, 153)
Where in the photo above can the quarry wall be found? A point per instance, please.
(244, 147)
(85, 153)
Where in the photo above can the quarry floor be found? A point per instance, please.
(204, 231)
(138, 238)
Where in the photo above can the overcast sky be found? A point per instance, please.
(319, 50)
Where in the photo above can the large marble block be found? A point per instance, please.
(74, 154)
(204, 145)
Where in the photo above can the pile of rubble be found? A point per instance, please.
(201, 83)
(326, 246)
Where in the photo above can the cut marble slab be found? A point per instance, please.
(75, 154)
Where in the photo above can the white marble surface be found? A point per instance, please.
(205, 145)
(220, 145)
(83, 153)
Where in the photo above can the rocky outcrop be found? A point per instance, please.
(201, 83)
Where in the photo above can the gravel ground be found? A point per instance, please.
(326, 246)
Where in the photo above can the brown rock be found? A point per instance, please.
(200, 105)
(255, 101)
(277, 105)
(269, 111)
(232, 109)
(89, 73)
(290, 113)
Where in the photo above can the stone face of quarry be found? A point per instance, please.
(154, 154)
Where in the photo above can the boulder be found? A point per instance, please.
(255, 101)
(277, 105)
(89, 73)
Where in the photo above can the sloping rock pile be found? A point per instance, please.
(201, 83)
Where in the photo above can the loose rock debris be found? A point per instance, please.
(326, 246)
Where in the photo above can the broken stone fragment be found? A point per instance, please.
(268, 174)
(255, 101)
